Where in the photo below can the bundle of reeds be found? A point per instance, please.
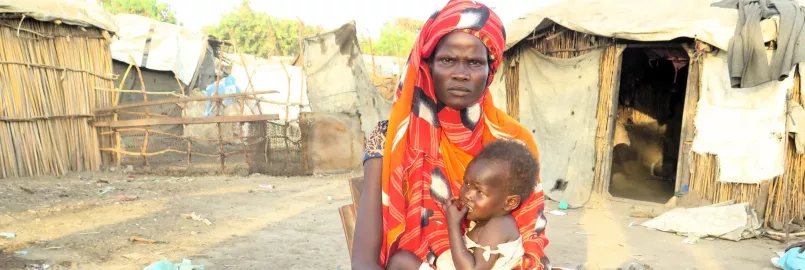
(48, 73)
(561, 42)
(512, 87)
(704, 182)
(787, 192)
(607, 76)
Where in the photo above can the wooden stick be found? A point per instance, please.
(184, 105)
(372, 53)
(37, 118)
(115, 117)
(786, 235)
(181, 121)
(144, 147)
(57, 68)
(183, 100)
(242, 104)
(160, 152)
(139, 91)
(220, 111)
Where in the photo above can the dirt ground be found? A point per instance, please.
(65, 222)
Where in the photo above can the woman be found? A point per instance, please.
(442, 116)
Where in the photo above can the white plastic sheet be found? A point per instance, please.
(732, 222)
(172, 47)
(743, 127)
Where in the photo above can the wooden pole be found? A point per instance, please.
(115, 101)
(220, 109)
(144, 147)
(787, 202)
(371, 52)
(242, 104)
(181, 100)
(184, 114)
(287, 114)
(687, 131)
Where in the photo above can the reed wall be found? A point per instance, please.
(48, 76)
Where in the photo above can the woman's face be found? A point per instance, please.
(460, 69)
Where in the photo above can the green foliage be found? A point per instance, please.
(147, 8)
(259, 34)
(396, 38)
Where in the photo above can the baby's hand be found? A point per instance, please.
(453, 215)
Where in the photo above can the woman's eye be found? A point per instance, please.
(475, 63)
(446, 60)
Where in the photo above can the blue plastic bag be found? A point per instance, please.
(792, 260)
(225, 86)
(167, 265)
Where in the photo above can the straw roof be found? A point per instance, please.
(81, 13)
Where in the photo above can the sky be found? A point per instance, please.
(369, 15)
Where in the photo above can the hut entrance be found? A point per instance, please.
(648, 122)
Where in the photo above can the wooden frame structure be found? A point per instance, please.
(178, 143)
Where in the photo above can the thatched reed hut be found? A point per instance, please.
(53, 56)
(632, 99)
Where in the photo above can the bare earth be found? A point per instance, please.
(64, 222)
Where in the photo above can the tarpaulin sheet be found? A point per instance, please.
(743, 127)
(558, 102)
(225, 87)
(81, 13)
(732, 222)
(271, 76)
(168, 47)
(639, 20)
(337, 81)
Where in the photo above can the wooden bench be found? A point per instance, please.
(350, 212)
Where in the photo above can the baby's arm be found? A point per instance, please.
(497, 231)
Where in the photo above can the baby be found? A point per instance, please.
(496, 181)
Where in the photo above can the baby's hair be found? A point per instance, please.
(523, 167)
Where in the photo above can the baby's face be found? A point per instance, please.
(484, 190)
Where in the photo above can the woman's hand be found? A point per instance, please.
(453, 215)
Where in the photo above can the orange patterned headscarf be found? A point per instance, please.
(429, 145)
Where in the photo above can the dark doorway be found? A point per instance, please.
(648, 122)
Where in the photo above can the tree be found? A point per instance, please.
(147, 8)
(259, 34)
(396, 38)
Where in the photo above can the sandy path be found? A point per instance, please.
(294, 226)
